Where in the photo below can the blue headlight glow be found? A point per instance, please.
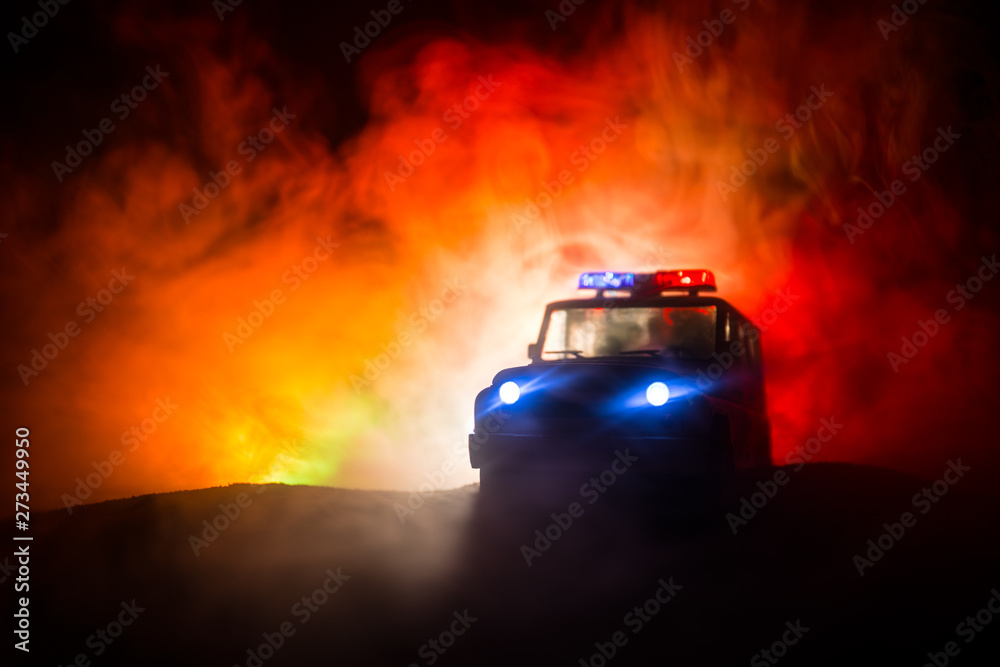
(509, 392)
(657, 394)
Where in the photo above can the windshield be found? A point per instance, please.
(682, 332)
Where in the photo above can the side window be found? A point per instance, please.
(740, 326)
(753, 345)
(735, 331)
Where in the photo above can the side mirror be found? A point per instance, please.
(534, 350)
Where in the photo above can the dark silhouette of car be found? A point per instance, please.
(647, 368)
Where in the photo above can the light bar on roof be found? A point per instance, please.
(683, 280)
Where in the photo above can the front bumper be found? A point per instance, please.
(660, 455)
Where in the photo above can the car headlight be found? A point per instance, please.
(509, 392)
(657, 394)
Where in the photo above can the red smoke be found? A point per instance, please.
(487, 175)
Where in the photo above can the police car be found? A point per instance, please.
(645, 366)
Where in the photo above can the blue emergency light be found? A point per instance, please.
(606, 280)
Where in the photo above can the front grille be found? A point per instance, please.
(555, 417)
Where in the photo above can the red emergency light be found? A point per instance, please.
(691, 281)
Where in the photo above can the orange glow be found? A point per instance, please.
(363, 371)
